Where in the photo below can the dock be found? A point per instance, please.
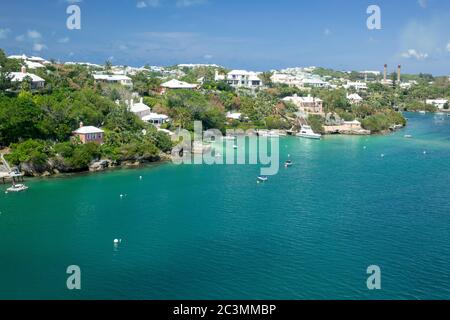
(8, 174)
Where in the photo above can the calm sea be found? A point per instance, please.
(212, 232)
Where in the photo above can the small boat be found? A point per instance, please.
(308, 133)
(262, 179)
(288, 163)
(235, 146)
(408, 136)
(17, 188)
(422, 112)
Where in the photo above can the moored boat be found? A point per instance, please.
(17, 188)
(308, 133)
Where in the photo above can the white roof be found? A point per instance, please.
(155, 116)
(139, 107)
(19, 76)
(352, 122)
(33, 65)
(88, 129)
(354, 96)
(176, 84)
(113, 77)
(438, 101)
(19, 57)
(308, 99)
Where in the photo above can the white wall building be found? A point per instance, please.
(36, 81)
(240, 78)
(106, 78)
(140, 109)
(358, 85)
(439, 103)
(354, 98)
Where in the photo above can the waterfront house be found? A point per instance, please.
(308, 105)
(115, 78)
(354, 98)
(240, 78)
(36, 82)
(89, 134)
(140, 109)
(438, 103)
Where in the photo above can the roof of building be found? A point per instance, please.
(88, 129)
(155, 116)
(33, 65)
(177, 84)
(20, 76)
(354, 96)
(308, 99)
(139, 107)
(113, 77)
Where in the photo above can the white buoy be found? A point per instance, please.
(424, 152)
(365, 147)
(116, 241)
(121, 196)
(382, 155)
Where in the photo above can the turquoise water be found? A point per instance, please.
(210, 232)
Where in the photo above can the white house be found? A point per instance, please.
(358, 85)
(240, 78)
(439, 103)
(106, 78)
(290, 80)
(140, 109)
(354, 98)
(156, 119)
(177, 84)
(36, 81)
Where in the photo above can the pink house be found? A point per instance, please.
(89, 134)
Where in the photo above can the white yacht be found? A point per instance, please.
(307, 132)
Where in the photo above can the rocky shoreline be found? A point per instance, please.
(54, 168)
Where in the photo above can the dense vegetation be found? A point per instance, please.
(37, 127)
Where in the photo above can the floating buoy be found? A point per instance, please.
(382, 155)
(121, 196)
(364, 147)
(424, 152)
(116, 241)
(140, 177)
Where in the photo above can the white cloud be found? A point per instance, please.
(413, 53)
(208, 56)
(448, 46)
(423, 3)
(148, 3)
(327, 32)
(190, 3)
(33, 34)
(39, 47)
(64, 40)
(73, 1)
(20, 38)
(4, 33)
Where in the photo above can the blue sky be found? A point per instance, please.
(251, 34)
